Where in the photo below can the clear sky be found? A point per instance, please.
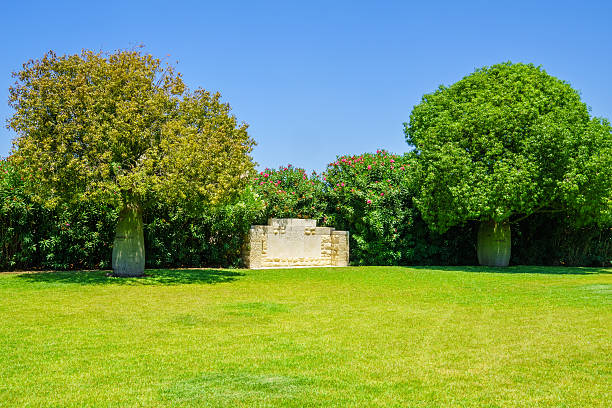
(316, 79)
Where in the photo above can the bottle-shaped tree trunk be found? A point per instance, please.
(494, 243)
(128, 248)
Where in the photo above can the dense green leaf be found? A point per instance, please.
(506, 142)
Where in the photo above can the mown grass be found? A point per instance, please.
(368, 336)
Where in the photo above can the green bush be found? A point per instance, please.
(20, 221)
(369, 195)
(65, 238)
(213, 237)
(81, 237)
(78, 237)
(544, 239)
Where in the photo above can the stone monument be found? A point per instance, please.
(294, 242)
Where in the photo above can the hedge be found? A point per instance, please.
(369, 195)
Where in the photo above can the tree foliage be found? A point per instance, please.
(506, 142)
(123, 129)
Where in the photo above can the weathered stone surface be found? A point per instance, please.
(292, 222)
(293, 242)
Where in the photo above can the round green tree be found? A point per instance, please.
(122, 128)
(506, 142)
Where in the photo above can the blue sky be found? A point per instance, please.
(316, 79)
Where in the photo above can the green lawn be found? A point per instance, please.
(368, 336)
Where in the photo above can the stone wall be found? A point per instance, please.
(293, 242)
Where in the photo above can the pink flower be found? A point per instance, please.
(266, 175)
(342, 184)
(382, 194)
(369, 167)
(402, 168)
(369, 201)
(261, 184)
(392, 161)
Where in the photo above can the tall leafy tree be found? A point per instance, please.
(506, 142)
(123, 128)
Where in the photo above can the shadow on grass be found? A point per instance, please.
(152, 277)
(519, 269)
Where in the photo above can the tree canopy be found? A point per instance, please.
(508, 141)
(123, 128)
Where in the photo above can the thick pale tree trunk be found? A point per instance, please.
(128, 248)
(494, 243)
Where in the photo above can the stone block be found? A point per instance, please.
(292, 242)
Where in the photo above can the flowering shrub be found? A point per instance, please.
(290, 192)
(370, 195)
